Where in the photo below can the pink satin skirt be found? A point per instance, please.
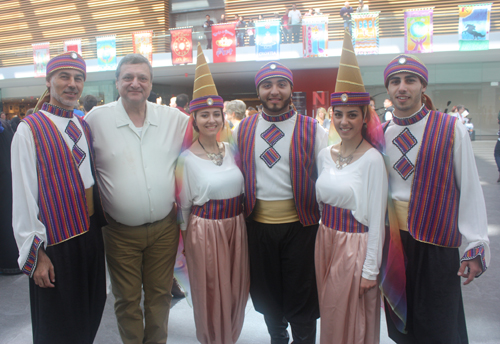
(345, 317)
(219, 274)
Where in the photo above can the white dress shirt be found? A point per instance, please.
(135, 167)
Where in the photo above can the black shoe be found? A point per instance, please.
(176, 291)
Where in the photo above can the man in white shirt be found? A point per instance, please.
(56, 225)
(438, 200)
(137, 144)
(295, 20)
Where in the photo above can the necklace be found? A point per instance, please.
(216, 158)
(343, 162)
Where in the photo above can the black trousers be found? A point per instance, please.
(434, 296)
(282, 278)
(71, 312)
(497, 154)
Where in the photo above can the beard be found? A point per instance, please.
(275, 107)
(65, 102)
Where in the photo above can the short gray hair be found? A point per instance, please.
(133, 59)
(237, 107)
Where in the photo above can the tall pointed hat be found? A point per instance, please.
(204, 91)
(349, 89)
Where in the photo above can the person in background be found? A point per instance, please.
(295, 20)
(3, 116)
(497, 148)
(345, 13)
(250, 112)
(362, 7)
(181, 102)
(240, 31)
(222, 19)
(236, 112)
(372, 103)
(207, 27)
(388, 110)
(285, 27)
(322, 118)
(89, 101)
(14, 122)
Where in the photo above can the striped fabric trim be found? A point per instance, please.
(68, 60)
(473, 253)
(279, 118)
(56, 110)
(349, 98)
(405, 64)
(405, 141)
(219, 209)
(434, 201)
(206, 102)
(30, 265)
(62, 203)
(412, 119)
(341, 220)
(272, 135)
(273, 70)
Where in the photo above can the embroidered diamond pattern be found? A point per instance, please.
(270, 157)
(272, 135)
(404, 167)
(75, 134)
(405, 141)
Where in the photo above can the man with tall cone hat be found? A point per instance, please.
(137, 144)
(210, 186)
(438, 200)
(352, 194)
(56, 223)
(278, 152)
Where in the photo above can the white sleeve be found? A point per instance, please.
(376, 197)
(472, 220)
(29, 232)
(185, 194)
(321, 139)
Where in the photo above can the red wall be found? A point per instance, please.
(311, 80)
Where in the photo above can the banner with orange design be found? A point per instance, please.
(41, 56)
(143, 44)
(224, 42)
(181, 45)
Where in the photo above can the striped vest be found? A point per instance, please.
(61, 200)
(303, 171)
(434, 201)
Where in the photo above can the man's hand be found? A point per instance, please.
(366, 285)
(475, 269)
(44, 275)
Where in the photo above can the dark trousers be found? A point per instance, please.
(434, 296)
(283, 281)
(71, 312)
(209, 40)
(497, 154)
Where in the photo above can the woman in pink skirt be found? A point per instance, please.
(214, 228)
(352, 193)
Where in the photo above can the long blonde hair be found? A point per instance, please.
(321, 110)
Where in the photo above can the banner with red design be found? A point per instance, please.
(224, 42)
(181, 45)
(41, 56)
(73, 45)
(143, 44)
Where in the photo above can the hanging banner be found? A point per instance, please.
(299, 100)
(315, 33)
(474, 27)
(224, 42)
(418, 30)
(365, 33)
(106, 52)
(143, 44)
(73, 45)
(267, 39)
(41, 56)
(181, 45)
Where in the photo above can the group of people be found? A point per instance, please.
(269, 209)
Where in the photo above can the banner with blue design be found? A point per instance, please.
(267, 39)
(106, 52)
(474, 27)
(315, 33)
(365, 33)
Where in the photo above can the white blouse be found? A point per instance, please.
(202, 181)
(362, 188)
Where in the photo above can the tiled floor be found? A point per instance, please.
(482, 297)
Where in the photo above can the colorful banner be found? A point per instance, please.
(73, 45)
(41, 56)
(315, 33)
(224, 42)
(267, 39)
(181, 45)
(143, 44)
(365, 33)
(474, 27)
(418, 30)
(106, 52)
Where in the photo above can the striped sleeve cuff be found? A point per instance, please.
(473, 253)
(30, 265)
